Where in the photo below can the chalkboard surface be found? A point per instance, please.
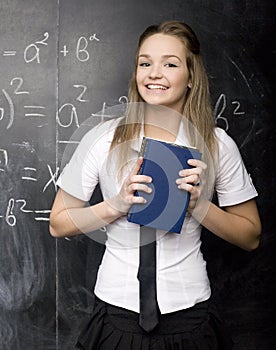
(64, 61)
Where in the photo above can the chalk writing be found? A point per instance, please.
(82, 45)
(64, 51)
(220, 108)
(20, 205)
(81, 52)
(247, 138)
(9, 53)
(25, 145)
(67, 115)
(94, 37)
(71, 110)
(80, 97)
(3, 159)
(34, 114)
(105, 115)
(2, 111)
(32, 51)
(218, 114)
(73, 115)
(53, 178)
(42, 218)
(237, 111)
(17, 85)
(10, 217)
(102, 113)
(54, 73)
(123, 99)
(22, 208)
(17, 90)
(241, 72)
(11, 107)
(65, 141)
(28, 169)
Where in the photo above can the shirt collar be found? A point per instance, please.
(181, 138)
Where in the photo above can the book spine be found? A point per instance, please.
(142, 153)
(143, 146)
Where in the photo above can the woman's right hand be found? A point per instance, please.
(133, 182)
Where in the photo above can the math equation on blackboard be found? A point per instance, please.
(18, 102)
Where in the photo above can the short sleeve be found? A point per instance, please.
(233, 183)
(81, 174)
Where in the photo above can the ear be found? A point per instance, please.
(189, 85)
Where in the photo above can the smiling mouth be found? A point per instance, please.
(156, 87)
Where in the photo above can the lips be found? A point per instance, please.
(156, 87)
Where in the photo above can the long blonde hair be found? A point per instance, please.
(197, 105)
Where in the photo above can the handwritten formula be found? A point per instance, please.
(34, 50)
(18, 102)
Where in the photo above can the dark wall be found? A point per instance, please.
(60, 63)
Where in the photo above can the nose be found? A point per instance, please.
(155, 72)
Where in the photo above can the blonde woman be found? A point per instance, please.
(169, 101)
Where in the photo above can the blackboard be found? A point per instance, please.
(65, 61)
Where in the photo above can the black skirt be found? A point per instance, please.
(114, 328)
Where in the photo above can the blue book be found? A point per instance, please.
(166, 205)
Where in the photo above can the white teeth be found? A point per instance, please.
(160, 87)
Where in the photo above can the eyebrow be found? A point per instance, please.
(163, 56)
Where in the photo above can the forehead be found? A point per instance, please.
(163, 44)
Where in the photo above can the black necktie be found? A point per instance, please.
(147, 277)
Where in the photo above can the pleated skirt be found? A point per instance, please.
(114, 328)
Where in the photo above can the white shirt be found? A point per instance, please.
(182, 279)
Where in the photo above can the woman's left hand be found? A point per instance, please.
(191, 180)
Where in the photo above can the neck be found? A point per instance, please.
(161, 123)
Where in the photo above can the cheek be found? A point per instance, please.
(139, 77)
(181, 79)
(140, 82)
(182, 84)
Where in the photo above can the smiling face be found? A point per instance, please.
(162, 75)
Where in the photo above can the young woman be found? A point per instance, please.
(169, 100)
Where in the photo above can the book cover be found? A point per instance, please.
(166, 205)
